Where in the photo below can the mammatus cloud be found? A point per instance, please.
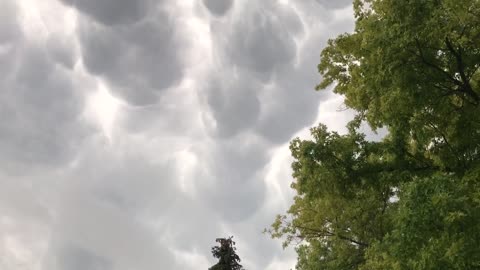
(41, 104)
(114, 12)
(230, 95)
(138, 61)
(258, 39)
(205, 97)
(218, 7)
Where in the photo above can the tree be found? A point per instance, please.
(436, 226)
(226, 254)
(412, 200)
(413, 66)
(344, 187)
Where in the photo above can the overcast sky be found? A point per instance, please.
(134, 133)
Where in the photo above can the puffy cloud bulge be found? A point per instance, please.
(207, 95)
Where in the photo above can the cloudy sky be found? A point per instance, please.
(134, 133)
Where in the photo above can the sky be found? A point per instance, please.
(134, 133)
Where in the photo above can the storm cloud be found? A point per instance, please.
(134, 133)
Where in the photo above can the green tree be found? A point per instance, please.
(412, 200)
(413, 66)
(436, 226)
(226, 255)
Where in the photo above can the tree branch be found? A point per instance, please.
(426, 62)
(465, 86)
(327, 233)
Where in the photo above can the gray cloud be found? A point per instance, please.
(9, 28)
(218, 7)
(262, 91)
(258, 39)
(180, 120)
(76, 258)
(40, 105)
(138, 60)
(112, 12)
(334, 4)
(292, 101)
(189, 151)
(104, 214)
(40, 128)
(26, 216)
(153, 187)
(110, 234)
(258, 45)
(62, 50)
(234, 102)
(10, 38)
(236, 167)
(194, 225)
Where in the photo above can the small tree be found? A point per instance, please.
(226, 255)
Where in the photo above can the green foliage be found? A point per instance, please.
(436, 226)
(415, 69)
(226, 255)
(412, 200)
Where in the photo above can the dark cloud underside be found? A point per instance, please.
(204, 95)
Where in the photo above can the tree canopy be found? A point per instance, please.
(411, 200)
(226, 255)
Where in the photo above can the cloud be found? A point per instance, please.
(233, 100)
(218, 7)
(138, 61)
(9, 27)
(62, 50)
(334, 4)
(258, 38)
(104, 214)
(291, 102)
(43, 110)
(210, 92)
(76, 258)
(26, 217)
(247, 91)
(235, 189)
(40, 103)
(111, 12)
